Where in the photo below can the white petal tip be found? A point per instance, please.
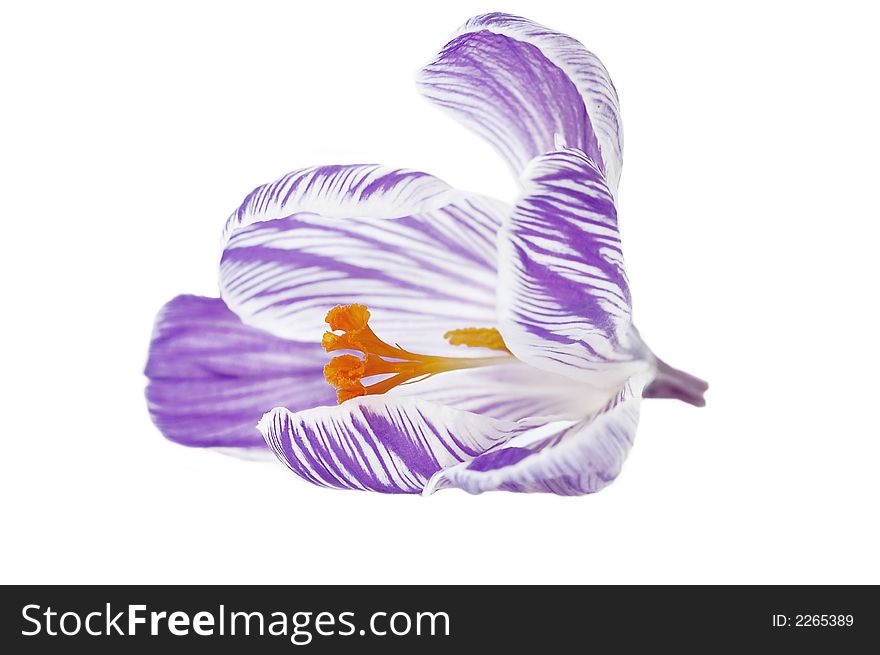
(433, 484)
(265, 424)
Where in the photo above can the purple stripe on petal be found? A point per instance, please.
(498, 459)
(520, 86)
(211, 377)
(563, 298)
(379, 443)
(576, 459)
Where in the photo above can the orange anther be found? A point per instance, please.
(478, 337)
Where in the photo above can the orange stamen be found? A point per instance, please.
(346, 372)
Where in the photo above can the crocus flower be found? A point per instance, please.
(474, 344)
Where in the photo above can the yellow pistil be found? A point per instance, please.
(346, 372)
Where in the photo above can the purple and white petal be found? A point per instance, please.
(344, 191)
(575, 458)
(512, 391)
(211, 377)
(379, 443)
(423, 259)
(520, 85)
(563, 295)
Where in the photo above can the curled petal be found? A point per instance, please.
(419, 255)
(563, 296)
(522, 86)
(379, 443)
(211, 377)
(576, 458)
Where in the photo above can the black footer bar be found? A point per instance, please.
(425, 619)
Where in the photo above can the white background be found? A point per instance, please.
(749, 213)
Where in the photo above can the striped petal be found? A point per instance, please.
(420, 255)
(343, 191)
(379, 443)
(519, 85)
(575, 458)
(211, 377)
(563, 296)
